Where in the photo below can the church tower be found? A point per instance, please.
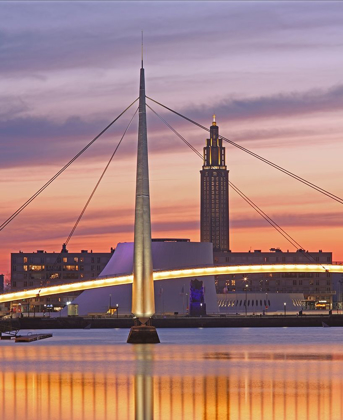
(215, 193)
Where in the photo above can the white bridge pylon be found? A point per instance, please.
(170, 275)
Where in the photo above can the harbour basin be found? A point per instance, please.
(219, 373)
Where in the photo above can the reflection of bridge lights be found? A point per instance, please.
(171, 275)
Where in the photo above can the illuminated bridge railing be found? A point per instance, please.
(170, 275)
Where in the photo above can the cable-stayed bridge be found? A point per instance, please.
(171, 275)
(143, 274)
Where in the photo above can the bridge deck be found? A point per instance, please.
(171, 275)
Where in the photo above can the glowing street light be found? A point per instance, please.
(246, 286)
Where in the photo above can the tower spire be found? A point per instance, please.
(143, 301)
(214, 213)
(143, 294)
(142, 49)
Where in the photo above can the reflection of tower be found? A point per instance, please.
(144, 383)
(214, 193)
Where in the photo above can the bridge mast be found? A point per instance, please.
(143, 299)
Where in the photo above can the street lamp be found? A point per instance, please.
(246, 295)
(284, 308)
(110, 305)
(117, 306)
(340, 294)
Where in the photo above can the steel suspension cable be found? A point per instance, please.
(98, 182)
(276, 226)
(268, 162)
(175, 132)
(268, 219)
(23, 206)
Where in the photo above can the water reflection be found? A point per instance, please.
(170, 382)
(144, 389)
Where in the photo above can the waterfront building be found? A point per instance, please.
(171, 296)
(259, 303)
(214, 212)
(30, 270)
(316, 287)
(337, 286)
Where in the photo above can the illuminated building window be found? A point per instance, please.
(76, 259)
(65, 259)
(70, 268)
(25, 259)
(36, 267)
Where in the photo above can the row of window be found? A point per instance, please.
(39, 268)
(244, 302)
(284, 259)
(66, 276)
(57, 259)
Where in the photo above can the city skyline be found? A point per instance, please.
(63, 79)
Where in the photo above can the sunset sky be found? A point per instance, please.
(272, 72)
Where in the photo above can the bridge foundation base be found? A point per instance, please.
(143, 334)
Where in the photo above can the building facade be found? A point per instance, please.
(337, 285)
(214, 212)
(170, 295)
(316, 287)
(41, 269)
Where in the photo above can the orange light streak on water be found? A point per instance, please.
(178, 382)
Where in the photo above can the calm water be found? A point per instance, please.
(257, 374)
